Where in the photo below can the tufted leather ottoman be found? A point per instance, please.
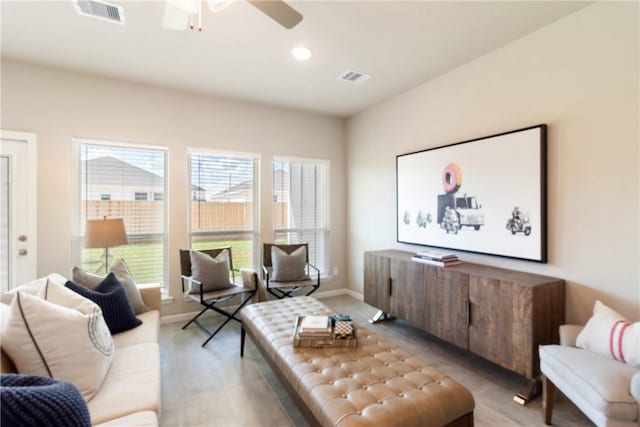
(375, 384)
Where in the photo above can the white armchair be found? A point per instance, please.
(606, 390)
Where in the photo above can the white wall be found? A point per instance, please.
(59, 105)
(580, 76)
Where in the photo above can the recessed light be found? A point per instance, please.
(301, 53)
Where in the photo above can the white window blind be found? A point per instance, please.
(4, 224)
(123, 172)
(224, 195)
(301, 206)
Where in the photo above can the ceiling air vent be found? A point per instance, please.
(100, 10)
(357, 77)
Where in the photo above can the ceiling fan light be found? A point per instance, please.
(218, 5)
(301, 53)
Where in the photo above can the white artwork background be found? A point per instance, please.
(502, 172)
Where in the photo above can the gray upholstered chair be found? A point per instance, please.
(282, 289)
(606, 390)
(210, 299)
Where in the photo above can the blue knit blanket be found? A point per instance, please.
(33, 401)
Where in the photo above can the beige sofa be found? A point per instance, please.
(130, 393)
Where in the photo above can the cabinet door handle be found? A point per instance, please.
(468, 312)
(390, 286)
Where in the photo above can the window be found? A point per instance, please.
(224, 196)
(158, 196)
(123, 172)
(301, 206)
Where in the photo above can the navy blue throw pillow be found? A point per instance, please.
(32, 401)
(111, 297)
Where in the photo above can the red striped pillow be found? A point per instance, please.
(610, 334)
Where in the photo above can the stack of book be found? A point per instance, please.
(323, 332)
(435, 258)
(315, 327)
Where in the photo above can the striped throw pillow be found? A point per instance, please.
(610, 334)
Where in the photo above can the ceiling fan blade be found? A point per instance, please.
(279, 11)
(176, 14)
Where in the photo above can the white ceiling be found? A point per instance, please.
(243, 54)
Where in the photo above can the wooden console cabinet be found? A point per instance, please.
(501, 315)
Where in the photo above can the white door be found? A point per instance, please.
(18, 249)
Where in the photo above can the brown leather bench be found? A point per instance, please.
(375, 384)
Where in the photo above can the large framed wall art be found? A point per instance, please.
(486, 195)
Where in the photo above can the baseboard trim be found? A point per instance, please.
(357, 295)
(185, 317)
(337, 292)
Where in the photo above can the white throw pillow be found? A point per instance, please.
(610, 334)
(61, 335)
(124, 276)
(213, 273)
(289, 267)
(32, 287)
(6, 364)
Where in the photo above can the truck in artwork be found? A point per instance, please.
(457, 210)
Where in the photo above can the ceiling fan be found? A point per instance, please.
(183, 14)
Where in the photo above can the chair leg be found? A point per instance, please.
(225, 313)
(277, 293)
(230, 316)
(280, 294)
(315, 288)
(243, 334)
(548, 396)
(195, 318)
(216, 331)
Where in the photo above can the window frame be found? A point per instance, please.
(78, 234)
(325, 206)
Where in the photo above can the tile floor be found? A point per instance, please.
(213, 386)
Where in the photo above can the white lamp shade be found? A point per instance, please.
(105, 233)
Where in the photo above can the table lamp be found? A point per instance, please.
(105, 233)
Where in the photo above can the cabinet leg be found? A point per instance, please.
(379, 316)
(529, 391)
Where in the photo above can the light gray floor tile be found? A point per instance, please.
(213, 386)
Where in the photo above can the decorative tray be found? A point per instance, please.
(331, 341)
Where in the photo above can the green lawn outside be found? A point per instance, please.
(241, 250)
(144, 260)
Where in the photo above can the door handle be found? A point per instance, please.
(390, 286)
(468, 313)
(22, 252)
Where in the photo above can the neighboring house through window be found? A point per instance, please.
(114, 180)
(224, 202)
(301, 206)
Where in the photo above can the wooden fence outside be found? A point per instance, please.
(146, 216)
